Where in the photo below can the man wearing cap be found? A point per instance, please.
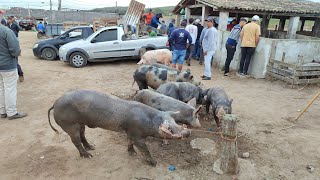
(249, 40)
(11, 24)
(193, 30)
(209, 45)
(196, 52)
(231, 44)
(149, 17)
(178, 39)
(151, 32)
(155, 22)
(9, 52)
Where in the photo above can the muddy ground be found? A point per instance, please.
(31, 150)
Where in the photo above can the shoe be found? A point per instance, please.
(203, 76)
(226, 74)
(18, 115)
(206, 78)
(3, 115)
(200, 63)
(21, 78)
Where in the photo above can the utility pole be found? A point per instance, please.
(59, 5)
(116, 3)
(50, 11)
(29, 10)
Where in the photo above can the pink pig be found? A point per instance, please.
(162, 56)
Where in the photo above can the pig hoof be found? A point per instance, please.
(132, 153)
(86, 155)
(89, 147)
(152, 163)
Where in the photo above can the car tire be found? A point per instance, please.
(78, 60)
(49, 54)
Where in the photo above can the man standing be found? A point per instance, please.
(9, 51)
(178, 39)
(209, 45)
(155, 22)
(15, 28)
(249, 40)
(196, 52)
(149, 17)
(231, 44)
(193, 30)
(204, 31)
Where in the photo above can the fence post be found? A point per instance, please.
(229, 158)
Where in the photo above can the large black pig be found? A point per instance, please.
(155, 75)
(183, 91)
(80, 108)
(187, 112)
(220, 103)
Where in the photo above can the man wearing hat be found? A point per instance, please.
(209, 45)
(15, 28)
(149, 17)
(9, 52)
(178, 39)
(155, 22)
(249, 40)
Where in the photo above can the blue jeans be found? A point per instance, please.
(178, 56)
(197, 49)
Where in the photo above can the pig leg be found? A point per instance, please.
(141, 145)
(74, 132)
(217, 120)
(84, 141)
(207, 109)
(131, 150)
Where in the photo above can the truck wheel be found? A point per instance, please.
(49, 54)
(78, 60)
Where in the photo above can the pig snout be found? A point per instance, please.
(185, 133)
(195, 123)
(141, 61)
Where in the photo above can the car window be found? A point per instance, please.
(76, 33)
(107, 35)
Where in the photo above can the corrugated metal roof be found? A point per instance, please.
(279, 6)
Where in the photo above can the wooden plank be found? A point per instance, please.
(308, 68)
(307, 73)
(283, 78)
(305, 81)
(283, 63)
(282, 72)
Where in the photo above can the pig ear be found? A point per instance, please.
(171, 113)
(192, 102)
(231, 100)
(198, 110)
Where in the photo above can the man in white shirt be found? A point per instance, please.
(193, 31)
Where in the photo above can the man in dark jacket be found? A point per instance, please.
(197, 48)
(15, 28)
(9, 51)
(155, 22)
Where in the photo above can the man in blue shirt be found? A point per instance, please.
(178, 39)
(40, 27)
(155, 22)
(231, 44)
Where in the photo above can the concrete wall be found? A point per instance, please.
(309, 49)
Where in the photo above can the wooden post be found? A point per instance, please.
(172, 75)
(229, 158)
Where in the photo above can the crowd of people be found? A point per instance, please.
(9, 68)
(192, 40)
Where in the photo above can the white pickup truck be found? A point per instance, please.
(108, 44)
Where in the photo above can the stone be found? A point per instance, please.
(247, 170)
(246, 155)
(205, 145)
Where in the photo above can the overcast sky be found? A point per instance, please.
(84, 4)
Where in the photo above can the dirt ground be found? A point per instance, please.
(31, 149)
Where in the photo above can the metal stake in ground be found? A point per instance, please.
(229, 158)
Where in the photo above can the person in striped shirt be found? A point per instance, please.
(231, 44)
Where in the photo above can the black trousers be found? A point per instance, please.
(230, 53)
(246, 54)
(189, 53)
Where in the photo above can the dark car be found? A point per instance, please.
(49, 48)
